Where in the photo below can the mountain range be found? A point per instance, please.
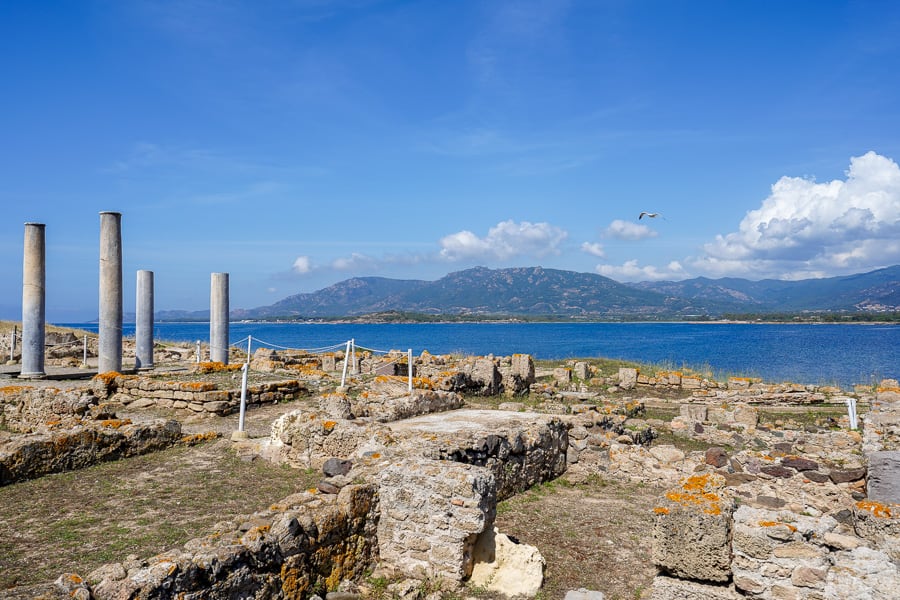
(535, 291)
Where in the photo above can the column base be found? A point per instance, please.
(32, 375)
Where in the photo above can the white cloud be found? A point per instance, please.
(355, 262)
(632, 271)
(806, 229)
(302, 265)
(594, 249)
(626, 230)
(506, 240)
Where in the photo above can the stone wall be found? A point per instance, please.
(33, 455)
(706, 548)
(198, 397)
(303, 545)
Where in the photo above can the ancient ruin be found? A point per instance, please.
(411, 480)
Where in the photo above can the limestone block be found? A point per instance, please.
(693, 413)
(746, 415)
(444, 505)
(692, 532)
(582, 370)
(883, 484)
(861, 573)
(562, 375)
(522, 365)
(510, 568)
(627, 378)
(880, 524)
(670, 588)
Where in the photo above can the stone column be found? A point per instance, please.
(110, 356)
(143, 326)
(33, 302)
(218, 318)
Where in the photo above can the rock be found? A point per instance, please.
(847, 475)
(327, 488)
(336, 466)
(799, 463)
(669, 588)
(693, 528)
(502, 565)
(716, 457)
(627, 378)
(883, 484)
(777, 471)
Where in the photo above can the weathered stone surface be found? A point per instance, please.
(694, 413)
(521, 449)
(861, 573)
(798, 463)
(716, 457)
(627, 378)
(692, 532)
(504, 566)
(883, 484)
(336, 466)
(30, 456)
(434, 512)
(405, 405)
(846, 475)
(306, 541)
(584, 594)
(670, 588)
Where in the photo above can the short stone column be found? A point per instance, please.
(218, 318)
(110, 355)
(33, 302)
(143, 326)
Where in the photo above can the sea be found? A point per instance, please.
(842, 355)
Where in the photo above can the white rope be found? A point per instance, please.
(358, 347)
(235, 344)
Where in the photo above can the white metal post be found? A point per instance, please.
(245, 369)
(409, 368)
(12, 344)
(851, 412)
(198, 351)
(346, 360)
(355, 369)
(249, 341)
(84, 360)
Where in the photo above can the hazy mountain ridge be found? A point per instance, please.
(535, 291)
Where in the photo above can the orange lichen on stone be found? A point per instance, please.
(214, 367)
(14, 389)
(776, 524)
(107, 377)
(698, 493)
(876, 508)
(115, 423)
(329, 425)
(661, 510)
(197, 438)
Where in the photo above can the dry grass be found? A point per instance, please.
(77, 521)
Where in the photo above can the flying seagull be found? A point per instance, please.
(649, 214)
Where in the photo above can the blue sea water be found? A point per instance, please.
(835, 354)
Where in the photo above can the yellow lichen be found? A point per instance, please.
(876, 508)
(777, 524)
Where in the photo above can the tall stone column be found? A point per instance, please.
(110, 358)
(218, 318)
(143, 326)
(33, 302)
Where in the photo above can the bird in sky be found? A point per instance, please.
(648, 214)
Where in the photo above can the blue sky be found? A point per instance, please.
(297, 144)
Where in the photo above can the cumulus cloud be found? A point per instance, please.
(626, 230)
(302, 265)
(632, 271)
(809, 229)
(594, 249)
(355, 262)
(505, 240)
